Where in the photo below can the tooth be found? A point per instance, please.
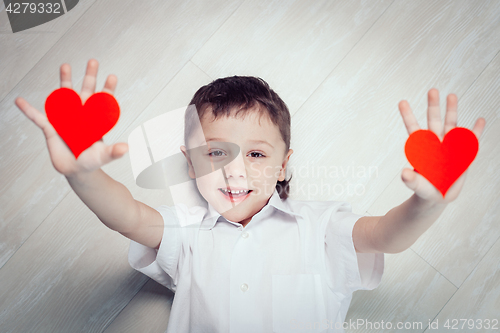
(234, 191)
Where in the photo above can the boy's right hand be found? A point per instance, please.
(62, 158)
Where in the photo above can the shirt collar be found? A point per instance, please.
(275, 201)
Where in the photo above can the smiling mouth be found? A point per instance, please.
(234, 193)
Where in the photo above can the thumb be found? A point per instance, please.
(118, 150)
(410, 178)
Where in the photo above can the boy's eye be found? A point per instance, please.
(216, 153)
(255, 154)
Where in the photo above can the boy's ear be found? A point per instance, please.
(283, 165)
(190, 163)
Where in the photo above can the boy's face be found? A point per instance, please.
(246, 154)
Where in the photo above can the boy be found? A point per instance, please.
(257, 262)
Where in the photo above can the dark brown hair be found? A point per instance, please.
(242, 92)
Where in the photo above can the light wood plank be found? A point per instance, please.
(352, 123)
(410, 292)
(478, 297)
(21, 51)
(293, 45)
(149, 311)
(71, 275)
(157, 55)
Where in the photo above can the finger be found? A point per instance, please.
(119, 149)
(89, 81)
(479, 127)
(417, 183)
(408, 117)
(409, 177)
(65, 74)
(36, 116)
(33, 114)
(450, 119)
(434, 113)
(113, 152)
(110, 84)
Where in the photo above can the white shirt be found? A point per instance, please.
(293, 268)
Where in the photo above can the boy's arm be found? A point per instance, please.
(109, 200)
(398, 229)
(403, 225)
(114, 205)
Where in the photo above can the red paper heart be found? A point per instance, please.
(441, 163)
(81, 125)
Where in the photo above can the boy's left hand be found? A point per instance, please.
(415, 181)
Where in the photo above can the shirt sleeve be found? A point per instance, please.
(349, 270)
(160, 265)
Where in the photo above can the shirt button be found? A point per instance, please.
(245, 234)
(244, 287)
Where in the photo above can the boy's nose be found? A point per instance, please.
(236, 168)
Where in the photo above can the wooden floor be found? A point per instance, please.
(342, 67)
